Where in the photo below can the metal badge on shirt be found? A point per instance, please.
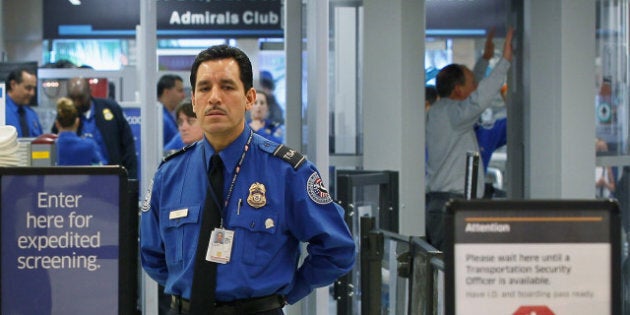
(107, 114)
(220, 247)
(257, 198)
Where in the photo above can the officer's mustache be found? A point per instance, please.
(213, 108)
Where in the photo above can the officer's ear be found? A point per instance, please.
(250, 96)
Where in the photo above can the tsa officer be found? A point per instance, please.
(21, 85)
(273, 199)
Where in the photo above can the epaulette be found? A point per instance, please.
(295, 158)
(176, 153)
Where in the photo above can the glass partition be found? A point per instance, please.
(611, 102)
(345, 79)
(612, 117)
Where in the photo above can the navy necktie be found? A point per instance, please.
(23, 123)
(202, 296)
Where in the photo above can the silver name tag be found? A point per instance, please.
(176, 214)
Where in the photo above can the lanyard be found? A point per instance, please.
(237, 170)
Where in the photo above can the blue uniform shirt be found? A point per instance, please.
(13, 118)
(90, 130)
(74, 150)
(266, 247)
(490, 138)
(170, 126)
(271, 131)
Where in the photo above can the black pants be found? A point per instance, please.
(434, 217)
(266, 305)
(164, 301)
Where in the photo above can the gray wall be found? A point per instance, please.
(22, 22)
(559, 89)
(393, 117)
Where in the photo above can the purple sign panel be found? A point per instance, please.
(60, 244)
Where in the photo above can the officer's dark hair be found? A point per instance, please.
(448, 78)
(266, 80)
(167, 81)
(186, 108)
(16, 75)
(224, 52)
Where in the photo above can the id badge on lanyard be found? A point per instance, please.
(220, 248)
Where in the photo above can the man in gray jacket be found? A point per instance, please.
(450, 132)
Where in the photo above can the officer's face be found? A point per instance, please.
(260, 109)
(189, 128)
(23, 92)
(175, 95)
(219, 100)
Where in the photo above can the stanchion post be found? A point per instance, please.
(472, 173)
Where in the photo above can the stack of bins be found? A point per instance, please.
(9, 155)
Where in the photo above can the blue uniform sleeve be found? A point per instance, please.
(151, 247)
(170, 126)
(317, 220)
(500, 125)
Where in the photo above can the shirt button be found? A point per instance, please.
(251, 225)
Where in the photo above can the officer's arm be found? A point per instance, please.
(151, 245)
(315, 219)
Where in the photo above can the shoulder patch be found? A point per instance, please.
(146, 203)
(295, 158)
(316, 190)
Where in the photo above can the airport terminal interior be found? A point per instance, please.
(348, 77)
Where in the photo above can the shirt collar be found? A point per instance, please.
(231, 154)
(10, 104)
(88, 114)
(67, 134)
(168, 114)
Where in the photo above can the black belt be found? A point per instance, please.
(245, 306)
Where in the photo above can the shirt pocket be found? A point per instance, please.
(180, 233)
(257, 233)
